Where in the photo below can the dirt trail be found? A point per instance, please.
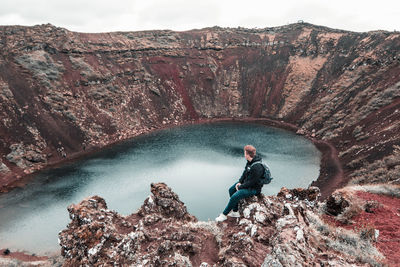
(331, 174)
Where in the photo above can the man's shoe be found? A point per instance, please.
(221, 218)
(234, 214)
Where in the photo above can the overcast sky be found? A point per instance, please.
(134, 15)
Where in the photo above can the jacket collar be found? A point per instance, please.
(256, 158)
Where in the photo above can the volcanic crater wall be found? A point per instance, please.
(65, 93)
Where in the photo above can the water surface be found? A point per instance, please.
(199, 162)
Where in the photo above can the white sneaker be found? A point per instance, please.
(221, 218)
(234, 214)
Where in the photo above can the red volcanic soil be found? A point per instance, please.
(22, 256)
(385, 217)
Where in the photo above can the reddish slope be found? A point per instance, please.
(65, 93)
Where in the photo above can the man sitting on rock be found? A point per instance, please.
(249, 184)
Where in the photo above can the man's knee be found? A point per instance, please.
(232, 189)
(237, 196)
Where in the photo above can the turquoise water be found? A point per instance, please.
(199, 162)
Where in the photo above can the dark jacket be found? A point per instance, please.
(251, 177)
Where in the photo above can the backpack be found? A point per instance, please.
(266, 178)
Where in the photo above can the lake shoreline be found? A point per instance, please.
(330, 177)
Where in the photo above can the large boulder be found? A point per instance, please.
(164, 203)
(336, 203)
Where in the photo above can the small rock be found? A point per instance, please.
(336, 203)
(301, 132)
(376, 234)
(155, 91)
(3, 167)
(370, 206)
(253, 230)
(299, 235)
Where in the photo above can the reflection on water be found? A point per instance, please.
(198, 162)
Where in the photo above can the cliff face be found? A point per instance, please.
(63, 92)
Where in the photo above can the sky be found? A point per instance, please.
(180, 15)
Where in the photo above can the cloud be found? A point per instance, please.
(105, 15)
(349, 15)
(69, 13)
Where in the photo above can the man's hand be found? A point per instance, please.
(237, 185)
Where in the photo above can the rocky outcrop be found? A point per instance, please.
(161, 233)
(65, 93)
(283, 230)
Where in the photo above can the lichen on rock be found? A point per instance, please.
(25, 155)
(3, 167)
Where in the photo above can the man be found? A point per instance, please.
(249, 184)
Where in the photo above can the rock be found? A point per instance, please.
(16, 155)
(162, 233)
(25, 155)
(155, 91)
(3, 168)
(97, 235)
(336, 204)
(166, 203)
(311, 194)
(370, 206)
(376, 234)
(301, 131)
